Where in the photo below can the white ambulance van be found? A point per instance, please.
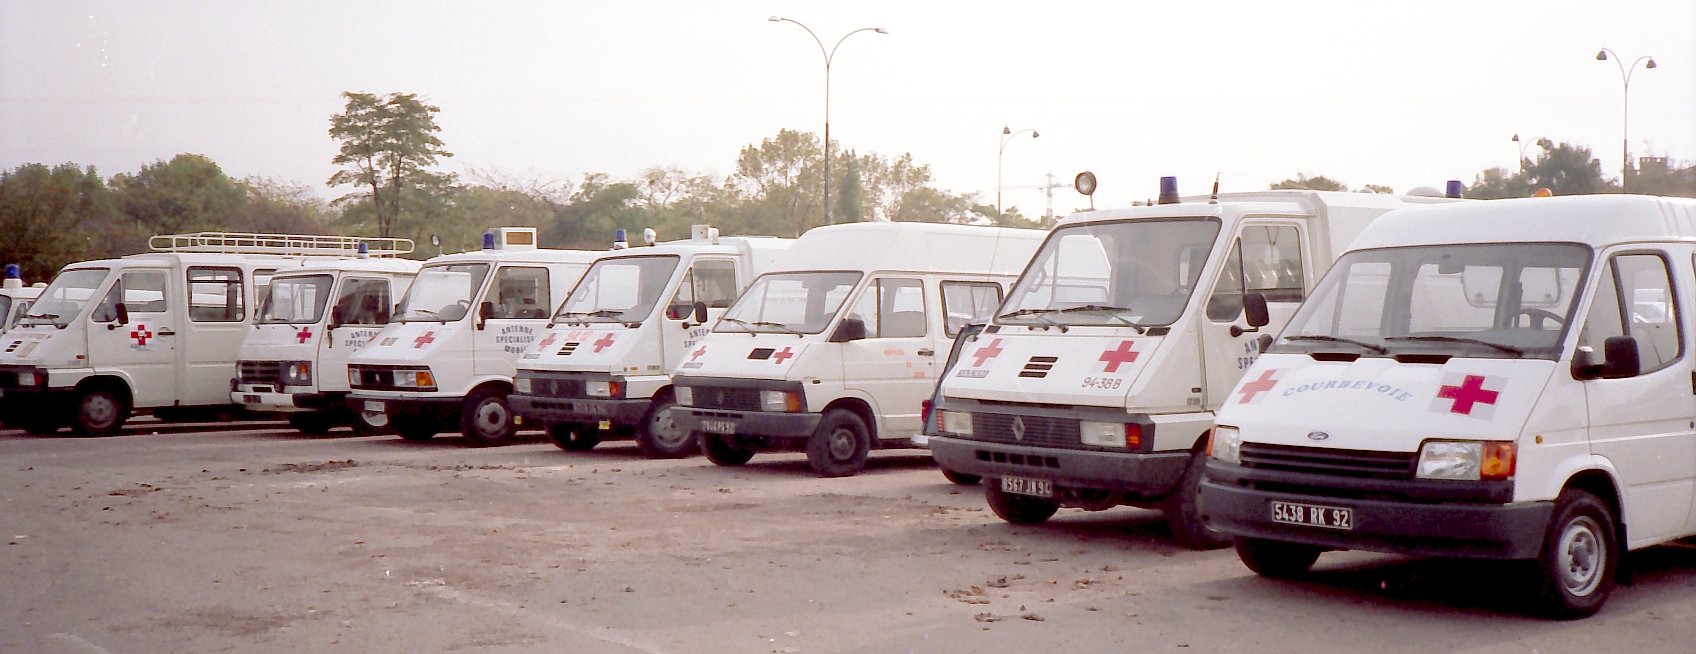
(446, 360)
(157, 332)
(603, 365)
(834, 350)
(1507, 380)
(311, 321)
(15, 297)
(1096, 384)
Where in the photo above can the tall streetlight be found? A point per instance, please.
(1625, 73)
(1007, 136)
(1543, 143)
(828, 56)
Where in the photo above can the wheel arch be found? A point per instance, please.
(859, 408)
(118, 386)
(1601, 484)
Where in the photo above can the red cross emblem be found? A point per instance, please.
(141, 334)
(986, 353)
(426, 339)
(546, 342)
(697, 353)
(1256, 387)
(604, 343)
(1469, 393)
(1121, 355)
(782, 355)
(304, 335)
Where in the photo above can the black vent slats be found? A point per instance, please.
(1038, 367)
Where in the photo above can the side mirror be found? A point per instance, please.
(1254, 310)
(485, 311)
(1622, 359)
(123, 317)
(850, 329)
(701, 312)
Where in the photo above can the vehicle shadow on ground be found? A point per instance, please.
(152, 429)
(443, 440)
(1123, 527)
(795, 463)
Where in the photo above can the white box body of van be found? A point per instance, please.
(1508, 379)
(782, 371)
(15, 298)
(624, 327)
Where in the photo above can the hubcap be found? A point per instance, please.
(99, 410)
(374, 419)
(1580, 557)
(491, 418)
(665, 429)
(842, 444)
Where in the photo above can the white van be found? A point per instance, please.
(314, 317)
(1508, 379)
(1096, 384)
(834, 350)
(15, 297)
(604, 362)
(446, 360)
(157, 332)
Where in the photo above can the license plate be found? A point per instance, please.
(1313, 515)
(1026, 486)
(375, 406)
(718, 426)
(250, 399)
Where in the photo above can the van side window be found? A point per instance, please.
(892, 308)
(215, 295)
(141, 291)
(964, 303)
(364, 302)
(1634, 298)
(521, 292)
(712, 281)
(1265, 259)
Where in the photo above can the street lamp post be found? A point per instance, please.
(1007, 136)
(828, 56)
(1625, 73)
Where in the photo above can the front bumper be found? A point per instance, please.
(437, 408)
(22, 405)
(771, 429)
(1141, 473)
(621, 413)
(1234, 501)
(286, 402)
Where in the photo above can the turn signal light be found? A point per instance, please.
(1498, 460)
(1133, 436)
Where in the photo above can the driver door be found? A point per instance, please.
(144, 348)
(1266, 257)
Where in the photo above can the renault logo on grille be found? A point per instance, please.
(1317, 435)
(1018, 428)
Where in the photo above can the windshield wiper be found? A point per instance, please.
(1035, 313)
(1112, 312)
(1338, 339)
(42, 316)
(1460, 339)
(780, 326)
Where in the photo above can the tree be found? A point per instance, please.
(59, 215)
(848, 208)
(189, 193)
(1663, 177)
(1564, 169)
(1315, 183)
(388, 145)
(279, 207)
(776, 177)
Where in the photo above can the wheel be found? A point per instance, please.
(415, 428)
(573, 436)
(1269, 558)
(1015, 508)
(724, 451)
(961, 478)
(315, 423)
(98, 412)
(370, 423)
(839, 445)
(486, 418)
(659, 435)
(1575, 569)
(1182, 515)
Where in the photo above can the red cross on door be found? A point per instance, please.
(697, 353)
(782, 355)
(604, 343)
(426, 339)
(304, 335)
(1264, 383)
(546, 341)
(1469, 393)
(986, 353)
(1113, 358)
(141, 334)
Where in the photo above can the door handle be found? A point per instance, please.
(167, 332)
(927, 352)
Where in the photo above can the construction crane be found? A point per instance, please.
(1047, 189)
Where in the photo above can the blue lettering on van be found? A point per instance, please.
(1389, 391)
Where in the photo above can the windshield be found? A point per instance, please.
(63, 299)
(1138, 272)
(619, 290)
(1511, 300)
(443, 293)
(796, 302)
(295, 299)
(5, 312)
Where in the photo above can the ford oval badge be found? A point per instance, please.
(1317, 435)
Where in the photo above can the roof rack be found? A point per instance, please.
(284, 244)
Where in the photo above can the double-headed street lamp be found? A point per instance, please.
(828, 56)
(1007, 136)
(1625, 103)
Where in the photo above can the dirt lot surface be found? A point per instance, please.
(198, 539)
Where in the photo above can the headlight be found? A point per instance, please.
(684, 395)
(297, 373)
(352, 376)
(1466, 460)
(782, 401)
(416, 379)
(1226, 444)
(523, 386)
(1111, 434)
(606, 389)
(958, 423)
(31, 378)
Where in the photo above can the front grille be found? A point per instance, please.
(8, 379)
(1035, 431)
(735, 399)
(373, 378)
(1361, 464)
(556, 387)
(261, 372)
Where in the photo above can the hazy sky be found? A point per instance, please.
(1395, 93)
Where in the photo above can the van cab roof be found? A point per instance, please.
(1261, 202)
(533, 255)
(918, 247)
(316, 265)
(1597, 220)
(723, 245)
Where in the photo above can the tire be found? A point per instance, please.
(98, 412)
(574, 437)
(659, 436)
(1015, 508)
(721, 450)
(839, 445)
(1276, 560)
(961, 478)
(1182, 515)
(370, 423)
(1580, 556)
(313, 423)
(486, 419)
(415, 428)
